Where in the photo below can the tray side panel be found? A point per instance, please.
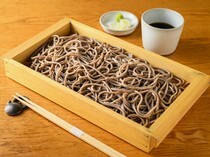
(24, 50)
(105, 118)
(167, 121)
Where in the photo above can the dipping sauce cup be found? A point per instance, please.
(161, 30)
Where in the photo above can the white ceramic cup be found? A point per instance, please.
(159, 40)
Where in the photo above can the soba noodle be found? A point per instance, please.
(109, 75)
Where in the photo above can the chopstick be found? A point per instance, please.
(68, 127)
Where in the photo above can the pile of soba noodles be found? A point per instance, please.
(108, 75)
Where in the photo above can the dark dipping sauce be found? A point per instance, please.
(162, 25)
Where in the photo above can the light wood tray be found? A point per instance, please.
(132, 132)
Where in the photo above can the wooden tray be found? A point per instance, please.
(132, 132)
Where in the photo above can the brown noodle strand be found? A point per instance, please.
(109, 75)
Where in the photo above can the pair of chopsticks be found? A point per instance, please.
(68, 127)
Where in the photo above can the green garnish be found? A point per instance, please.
(120, 23)
(118, 17)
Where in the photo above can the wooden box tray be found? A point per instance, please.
(144, 138)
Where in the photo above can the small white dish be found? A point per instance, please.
(110, 17)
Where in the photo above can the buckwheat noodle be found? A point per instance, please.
(109, 75)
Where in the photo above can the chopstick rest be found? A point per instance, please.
(14, 107)
(68, 127)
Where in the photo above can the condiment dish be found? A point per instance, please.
(110, 17)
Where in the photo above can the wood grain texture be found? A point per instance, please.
(31, 135)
